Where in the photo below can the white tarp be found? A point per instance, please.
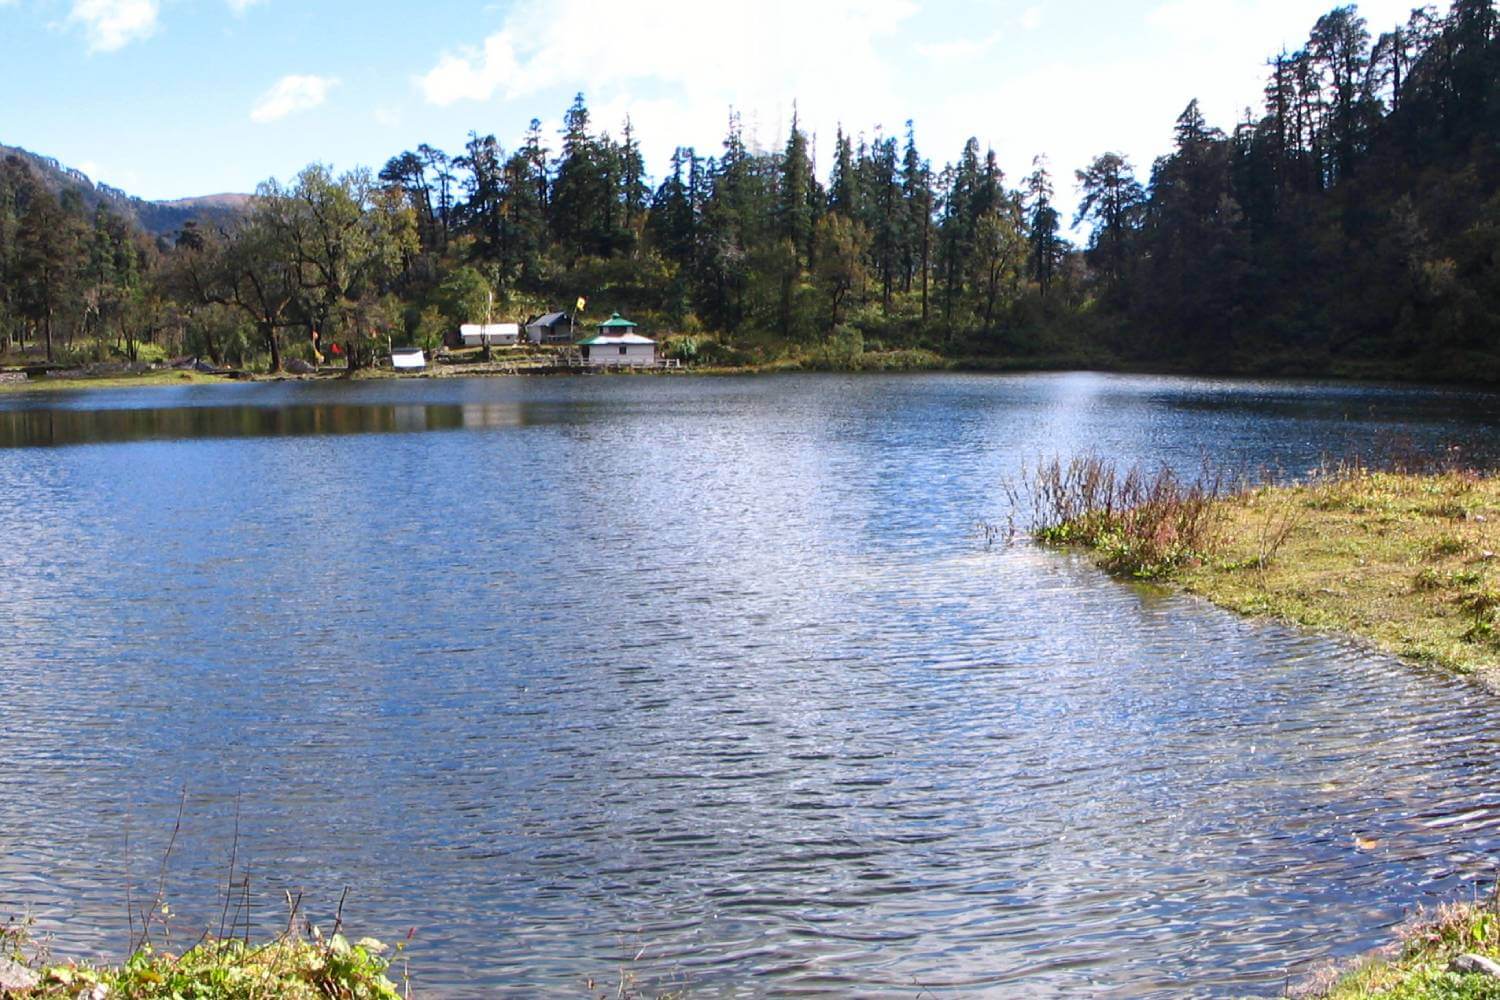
(415, 358)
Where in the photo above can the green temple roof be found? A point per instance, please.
(616, 322)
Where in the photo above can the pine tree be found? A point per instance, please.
(916, 191)
(844, 195)
(794, 210)
(1044, 223)
(887, 216)
(1113, 200)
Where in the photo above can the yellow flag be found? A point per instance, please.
(578, 306)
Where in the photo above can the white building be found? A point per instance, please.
(495, 334)
(617, 343)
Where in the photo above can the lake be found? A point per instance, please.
(714, 681)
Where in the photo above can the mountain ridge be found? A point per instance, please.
(159, 218)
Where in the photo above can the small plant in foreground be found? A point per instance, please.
(1482, 606)
(290, 967)
(1447, 545)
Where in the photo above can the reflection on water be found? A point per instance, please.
(50, 427)
(706, 678)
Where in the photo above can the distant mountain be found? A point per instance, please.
(160, 218)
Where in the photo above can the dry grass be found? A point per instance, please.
(1139, 524)
(1405, 560)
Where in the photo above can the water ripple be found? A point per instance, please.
(704, 678)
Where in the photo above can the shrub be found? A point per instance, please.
(291, 967)
(1447, 545)
(684, 349)
(1141, 525)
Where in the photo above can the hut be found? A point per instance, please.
(617, 343)
(553, 328)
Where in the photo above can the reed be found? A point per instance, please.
(1138, 523)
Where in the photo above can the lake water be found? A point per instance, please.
(710, 680)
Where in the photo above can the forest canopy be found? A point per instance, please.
(1351, 225)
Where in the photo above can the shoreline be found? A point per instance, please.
(1450, 953)
(1404, 562)
(168, 377)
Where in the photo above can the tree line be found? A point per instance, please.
(1353, 220)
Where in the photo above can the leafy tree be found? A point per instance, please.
(1000, 258)
(47, 242)
(841, 269)
(464, 296)
(247, 268)
(345, 239)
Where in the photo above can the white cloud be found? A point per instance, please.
(114, 24)
(958, 50)
(240, 6)
(474, 75)
(543, 44)
(290, 95)
(1031, 18)
(1271, 23)
(647, 60)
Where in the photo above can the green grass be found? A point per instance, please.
(290, 967)
(155, 378)
(1378, 555)
(1417, 967)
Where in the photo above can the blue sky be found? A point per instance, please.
(171, 98)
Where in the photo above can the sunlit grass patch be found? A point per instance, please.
(162, 377)
(1373, 554)
(1422, 964)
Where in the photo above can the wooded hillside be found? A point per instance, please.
(1352, 225)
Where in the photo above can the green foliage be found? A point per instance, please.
(464, 296)
(290, 967)
(708, 353)
(431, 328)
(1421, 967)
(1348, 227)
(841, 351)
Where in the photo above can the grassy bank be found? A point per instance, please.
(1427, 962)
(1405, 561)
(153, 378)
(293, 967)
